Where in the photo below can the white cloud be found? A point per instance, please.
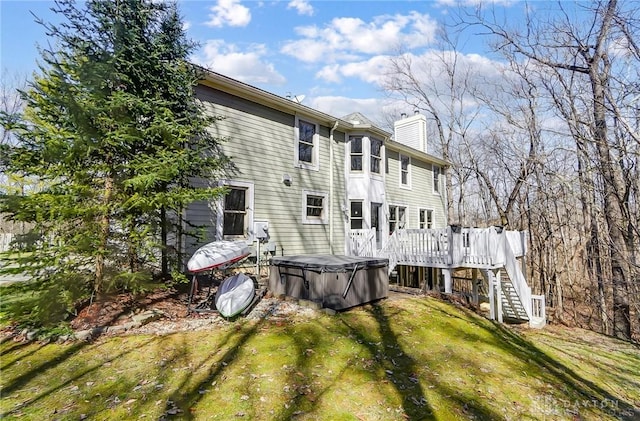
(330, 73)
(186, 25)
(346, 37)
(229, 13)
(370, 71)
(302, 6)
(248, 66)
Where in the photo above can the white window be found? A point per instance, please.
(397, 218)
(436, 178)
(425, 218)
(376, 155)
(307, 142)
(235, 211)
(315, 207)
(356, 215)
(356, 153)
(405, 171)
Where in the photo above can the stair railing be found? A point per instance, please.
(538, 307)
(516, 276)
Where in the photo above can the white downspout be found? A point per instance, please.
(331, 196)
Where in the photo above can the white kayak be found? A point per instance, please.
(217, 253)
(235, 294)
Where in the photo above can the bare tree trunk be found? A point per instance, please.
(567, 49)
(164, 259)
(103, 235)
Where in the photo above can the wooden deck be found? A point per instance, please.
(495, 252)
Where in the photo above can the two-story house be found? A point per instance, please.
(311, 177)
(314, 183)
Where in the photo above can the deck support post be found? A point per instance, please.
(498, 286)
(448, 283)
(492, 295)
(474, 286)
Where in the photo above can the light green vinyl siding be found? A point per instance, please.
(421, 193)
(261, 146)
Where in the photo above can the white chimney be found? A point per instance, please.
(412, 131)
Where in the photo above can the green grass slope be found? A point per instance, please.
(414, 358)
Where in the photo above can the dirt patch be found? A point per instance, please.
(170, 311)
(118, 309)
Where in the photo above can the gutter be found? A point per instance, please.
(331, 195)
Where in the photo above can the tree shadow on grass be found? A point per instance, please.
(579, 389)
(35, 371)
(15, 348)
(187, 397)
(29, 374)
(399, 368)
(584, 390)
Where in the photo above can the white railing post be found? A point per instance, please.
(498, 286)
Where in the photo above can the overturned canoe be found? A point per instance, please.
(217, 253)
(235, 294)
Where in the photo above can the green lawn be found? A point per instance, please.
(414, 358)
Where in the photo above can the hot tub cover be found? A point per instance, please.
(329, 262)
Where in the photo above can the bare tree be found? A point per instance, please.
(440, 85)
(579, 45)
(10, 104)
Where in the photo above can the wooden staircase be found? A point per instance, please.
(512, 307)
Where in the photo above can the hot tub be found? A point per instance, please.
(337, 282)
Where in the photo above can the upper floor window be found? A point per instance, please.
(376, 155)
(426, 218)
(356, 153)
(307, 144)
(436, 178)
(405, 168)
(315, 207)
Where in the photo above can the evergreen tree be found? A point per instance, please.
(113, 131)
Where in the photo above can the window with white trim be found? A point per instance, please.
(436, 178)
(405, 171)
(356, 216)
(235, 213)
(397, 218)
(356, 153)
(307, 144)
(376, 155)
(425, 218)
(315, 207)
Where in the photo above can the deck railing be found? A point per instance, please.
(441, 247)
(362, 242)
(538, 307)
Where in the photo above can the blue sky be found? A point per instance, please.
(332, 52)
